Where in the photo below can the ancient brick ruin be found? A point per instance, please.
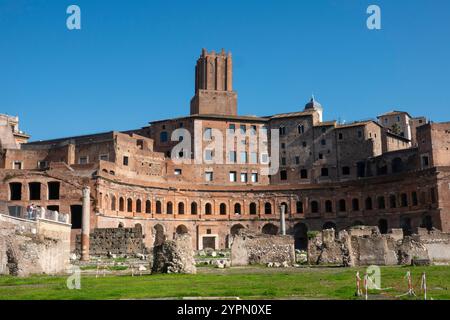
(390, 172)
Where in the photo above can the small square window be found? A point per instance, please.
(244, 177)
(233, 176)
(177, 172)
(17, 165)
(83, 160)
(125, 160)
(254, 177)
(209, 176)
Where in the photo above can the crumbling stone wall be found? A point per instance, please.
(366, 246)
(174, 256)
(119, 241)
(251, 248)
(24, 250)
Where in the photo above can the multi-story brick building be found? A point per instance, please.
(213, 172)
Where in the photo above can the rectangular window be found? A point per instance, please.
(243, 128)
(264, 158)
(254, 177)
(209, 154)
(243, 177)
(34, 189)
(208, 134)
(177, 172)
(324, 172)
(253, 157)
(297, 160)
(232, 128)
(209, 176)
(83, 160)
(42, 165)
(283, 175)
(104, 157)
(125, 161)
(253, 130)
(243, 157)
(303, 174)
(283, 161)
(53, 190)
(232, 156)
(17, 165)
(233, 176)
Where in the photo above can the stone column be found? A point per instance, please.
(283, 220)
(85, 228)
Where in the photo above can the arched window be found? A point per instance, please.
(285, 207)
(381, 203)
(355, 204)
(129, 205)
(299, 206)
(267, 208)
(393, 201)
(121, 204)
(148, 206)
(208, 209)
(181, 229)
(314, 207)
(369, 205)
(158, 207)
(223, 208)
(180, 208)
(253, 208)
(113, 203)
(342, 205)
(237, 208)
(194, 208)
(328, 206)
(169, 208)
(138, 205)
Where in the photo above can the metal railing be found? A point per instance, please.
(34, 214)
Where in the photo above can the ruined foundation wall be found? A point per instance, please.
(251, 248)
(119, 241)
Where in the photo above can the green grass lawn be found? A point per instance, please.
(246, 283)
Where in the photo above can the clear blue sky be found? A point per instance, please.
(133, 61)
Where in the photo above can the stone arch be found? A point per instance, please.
(223, 209)
(180, 207)
(138, 205)
(301, 236)
(159, 235)
(158, 207)
(121, 204)
(237, 208)
(235, 229)
(129, 205)
(208, 208)
(269, 228)
(182, 229)
(169, 208)
(194, 208)
(148, 206)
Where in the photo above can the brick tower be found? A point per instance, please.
(214, 85)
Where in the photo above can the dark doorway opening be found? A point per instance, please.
(209, 242)
(76, 214)
(53, 190)
(15, 189)
(301, 236)
(35, 190)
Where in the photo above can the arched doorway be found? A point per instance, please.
(301, 236)
(182, 229)
(270, 228)
(405, 224)
(235, 229)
